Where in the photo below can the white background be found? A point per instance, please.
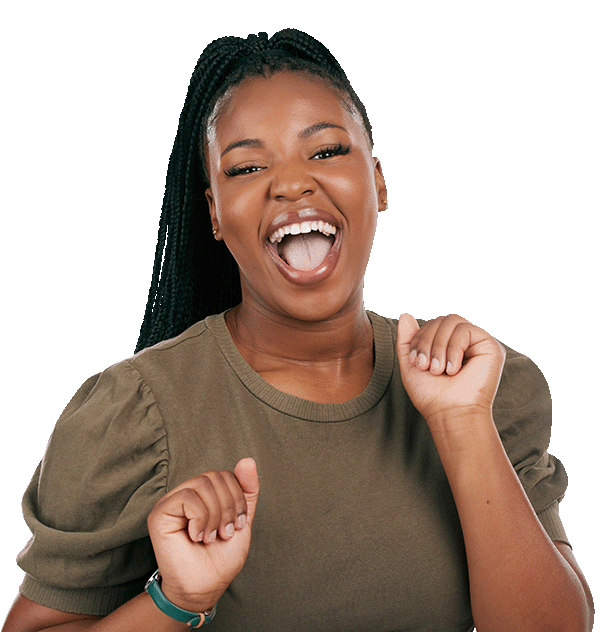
(485, 117)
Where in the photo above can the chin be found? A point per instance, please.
(321, 306)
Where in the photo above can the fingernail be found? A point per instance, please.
(213, 536)
(241, 521)
(435, 364)
(448, 367)
(422, 359)
(200, 535)
(230, 529)
(412, 356)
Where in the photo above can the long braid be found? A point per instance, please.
(194, 275)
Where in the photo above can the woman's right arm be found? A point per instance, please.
(139, 613)
(200, 534)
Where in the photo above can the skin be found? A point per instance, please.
(524, 581)
(299, 337)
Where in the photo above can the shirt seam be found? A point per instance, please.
(167, 460)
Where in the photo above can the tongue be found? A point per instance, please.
(305, 251)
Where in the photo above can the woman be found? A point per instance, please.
(290, 466)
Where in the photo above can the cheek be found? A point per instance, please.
(239, 224)
(357, 193)
(234, 212)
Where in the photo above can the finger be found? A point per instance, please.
(421, 344)
(440, 359)
(247, 475)
(458, 344)
(223, 515)
(181, 510)
(239, 499)
(204, 488)
(407, 328)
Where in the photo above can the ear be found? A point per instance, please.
(380, 184)
(212, 209)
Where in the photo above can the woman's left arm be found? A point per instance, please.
(519, 579)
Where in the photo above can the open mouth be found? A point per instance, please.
(305, 245)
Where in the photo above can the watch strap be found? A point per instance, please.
(191, 619)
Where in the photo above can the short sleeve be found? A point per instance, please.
(523, 415)
(105, 466)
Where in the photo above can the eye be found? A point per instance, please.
(331, 151)
(241, 170)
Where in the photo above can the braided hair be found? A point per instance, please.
(194, 275)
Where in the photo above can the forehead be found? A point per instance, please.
(283, 100)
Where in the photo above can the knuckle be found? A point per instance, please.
(228, 511)
(186, 496)
(438, 350)
(424, 340)
(228, 477)
(240, 505)
(204, 482)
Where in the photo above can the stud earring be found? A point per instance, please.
(215, 231)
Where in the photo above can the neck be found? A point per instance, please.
(299, 357)
(300, 341)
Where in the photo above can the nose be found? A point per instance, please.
(291, 181)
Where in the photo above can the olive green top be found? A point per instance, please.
(356, 528)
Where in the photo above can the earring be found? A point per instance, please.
(215, 231)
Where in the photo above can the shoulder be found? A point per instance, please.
(383, 325)
(386, 324)
(172, 347)
(521, 379)
(523, 404)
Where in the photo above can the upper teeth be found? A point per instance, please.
(303, 227)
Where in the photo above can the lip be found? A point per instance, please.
(298, 216)
(321, 272)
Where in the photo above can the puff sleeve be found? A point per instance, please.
(105, 466)
(523, 416)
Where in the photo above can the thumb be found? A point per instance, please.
(247, 474)
(407, 328)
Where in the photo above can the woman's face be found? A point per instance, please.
(294, 193)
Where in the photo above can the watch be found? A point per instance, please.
(191, 619)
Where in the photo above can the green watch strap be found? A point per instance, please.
(191, 619)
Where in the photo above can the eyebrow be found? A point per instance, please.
(247, 142)
(317, 127)
(303, 135)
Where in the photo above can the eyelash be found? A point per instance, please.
(333, 150)
(327, 152)
(237, 171)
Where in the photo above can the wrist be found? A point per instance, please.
(200, 598)
(469, 451)
(193, 603)
(460, 423)
(461, 438)
(194, 613)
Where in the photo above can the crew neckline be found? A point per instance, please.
(303, 408)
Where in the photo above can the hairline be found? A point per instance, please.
(221, 100)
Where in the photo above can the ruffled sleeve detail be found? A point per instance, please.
(105, 466)
(523, 415)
